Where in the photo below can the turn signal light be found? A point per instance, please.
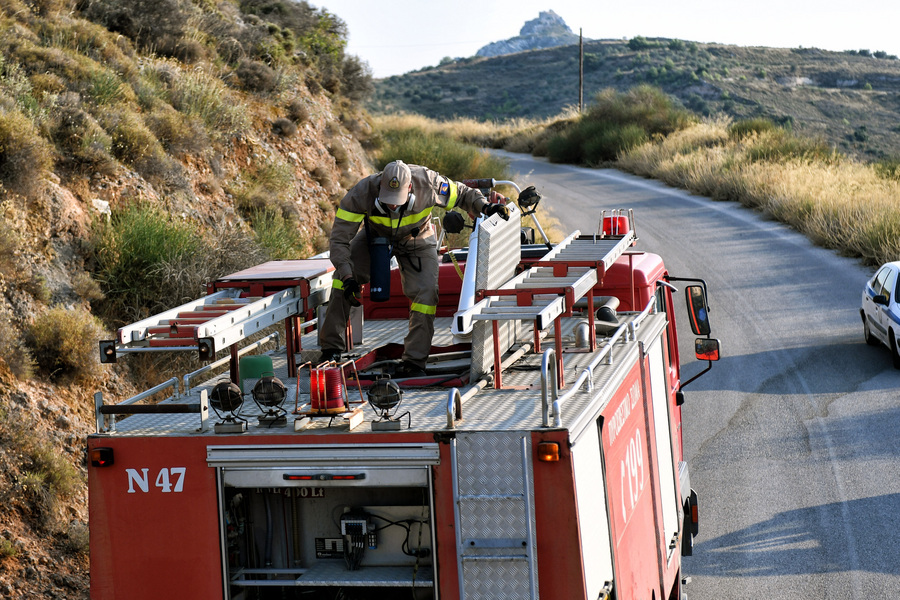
(102, 457)
(548, 451)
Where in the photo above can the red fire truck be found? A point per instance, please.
(540, 456)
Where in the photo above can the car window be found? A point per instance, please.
(889, 284)
(878, 281)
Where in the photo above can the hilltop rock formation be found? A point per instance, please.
(547, 31)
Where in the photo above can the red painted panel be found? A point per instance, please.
(156, 524)
(630, 490)
(560, 563)
(153, 544)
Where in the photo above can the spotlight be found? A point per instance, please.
(528, 200)
(226, 397)
(269, 394)
(385, 397)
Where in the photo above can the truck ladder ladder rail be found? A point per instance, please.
(548, 291)
(237, 306)
(222, 316)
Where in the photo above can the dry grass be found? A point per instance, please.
(515, 135)
(837, 202)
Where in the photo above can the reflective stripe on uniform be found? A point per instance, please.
(454, 192)
(404, 222)
(346, 215)
(337, 284)
(423, 308)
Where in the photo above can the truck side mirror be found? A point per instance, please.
(706, 348)
(698, 312)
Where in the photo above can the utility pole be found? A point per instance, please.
(580, 71)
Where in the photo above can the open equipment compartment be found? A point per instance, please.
(291, 528)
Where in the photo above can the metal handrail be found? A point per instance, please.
(454, 408)
(130, 407)
(187, 378)
(626, 332)
(548, 374)
(98, 402)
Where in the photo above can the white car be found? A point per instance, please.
(880, 312)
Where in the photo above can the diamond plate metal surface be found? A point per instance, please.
(489, 410)
(499, 253)
(496, 516)
(496, 580)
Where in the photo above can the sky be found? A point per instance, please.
(398, 36)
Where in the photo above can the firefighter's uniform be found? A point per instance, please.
(414, 245)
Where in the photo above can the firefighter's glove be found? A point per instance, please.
(352, 292)
(496, 209)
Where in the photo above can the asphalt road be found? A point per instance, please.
(793, 438)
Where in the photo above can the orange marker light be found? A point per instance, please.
(102, 457)
(548, 451)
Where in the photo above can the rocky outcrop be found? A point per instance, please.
(547, 31)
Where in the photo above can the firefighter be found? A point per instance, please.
(395, 204)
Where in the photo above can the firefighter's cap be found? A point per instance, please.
(396, 180)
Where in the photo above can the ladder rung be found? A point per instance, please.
(183, 331)
(171, 342)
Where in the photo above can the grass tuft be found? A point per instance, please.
(64, 344)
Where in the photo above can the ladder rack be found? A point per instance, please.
(236, 306)
(548, 291)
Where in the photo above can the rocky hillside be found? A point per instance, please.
(547, 31)
(233, 126)
(850, 99)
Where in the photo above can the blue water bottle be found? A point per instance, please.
(380, 270)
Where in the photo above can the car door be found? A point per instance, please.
(873, 311)
(888, 313)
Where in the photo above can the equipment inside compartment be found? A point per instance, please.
(316, 542)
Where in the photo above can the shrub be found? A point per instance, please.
(256, 76)
(133, 143)
(9, 246)
(284, 127)
(86, 288)
(78, 538)
(646, 106)
(14, 351)
(64, 343)
(129, 251)
(200, 95)
(8, 548)
(780, 145)
(449, 157)
(298, 111)
(43, 477)
(180, 134)
(888, 167)
(154, 24)
(356, 79)
(640, 43)
(25, 156)
(147, 262)
(615, 123)
(279, 236)
(263, 186)
(105, 87)
(81, 140)
(744, 128)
